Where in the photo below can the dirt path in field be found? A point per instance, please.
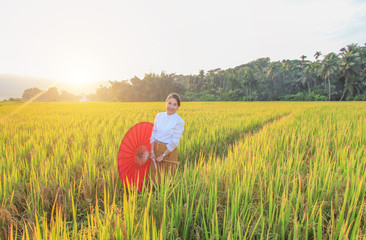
(249, 132)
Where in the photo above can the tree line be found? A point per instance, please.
(332, 77)
(50, 95)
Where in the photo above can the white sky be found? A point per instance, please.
(79, 41)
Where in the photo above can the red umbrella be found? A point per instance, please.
(133, 155)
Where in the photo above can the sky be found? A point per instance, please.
(76, 43)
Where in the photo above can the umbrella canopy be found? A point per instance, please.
(133, 155)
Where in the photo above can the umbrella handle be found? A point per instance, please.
(154, 163)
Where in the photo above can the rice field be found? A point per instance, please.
(268, 170)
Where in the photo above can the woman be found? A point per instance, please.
(166, 134)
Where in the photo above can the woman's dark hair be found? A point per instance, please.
(175, 96)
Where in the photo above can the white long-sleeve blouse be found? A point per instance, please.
(168, 129)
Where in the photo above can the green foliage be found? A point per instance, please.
(15, 100)
(51, 95)
(357, 98)
(301, 96)
(31, 93)
(335, 77)
(153, 87)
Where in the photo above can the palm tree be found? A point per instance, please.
(234, 82)
(350, 65)
(275, 81)
(303, 57)
(249, 80)
(305, 78)
(272, 72)
(328, 69)
(317, 54)
(363, 65)
(354, 85)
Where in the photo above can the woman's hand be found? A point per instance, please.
(160, 158)
(152, 156)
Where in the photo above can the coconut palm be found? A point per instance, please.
(272, 72)
(354, 85)
(328, 69)
(303, 57)
(350, 65)
(317, 54)
(305, 78)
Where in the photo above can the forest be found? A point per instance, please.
(331, 77)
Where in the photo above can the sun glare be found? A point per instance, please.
(79, 78)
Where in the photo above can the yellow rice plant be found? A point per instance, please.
(249, 170)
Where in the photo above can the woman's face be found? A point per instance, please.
(171, 106)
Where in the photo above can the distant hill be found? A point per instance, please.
(13, 86)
